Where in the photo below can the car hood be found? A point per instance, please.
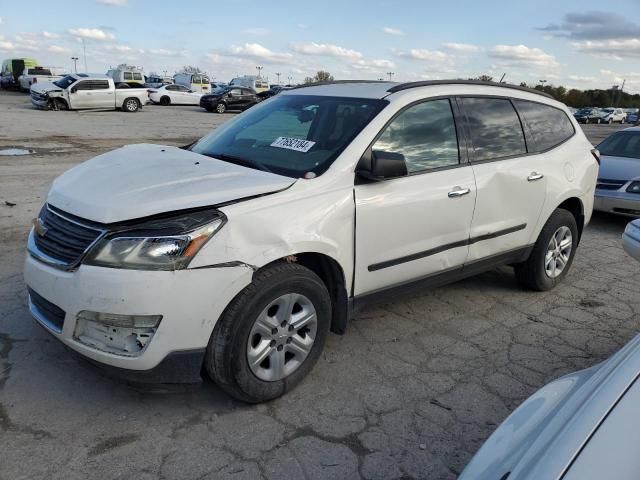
(619, 168)
(547, 430)
(42, 87)
(137, 181)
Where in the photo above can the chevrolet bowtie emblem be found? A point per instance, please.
(39, 227)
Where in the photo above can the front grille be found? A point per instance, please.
(607, 184)
(51, 314)
(61, 238)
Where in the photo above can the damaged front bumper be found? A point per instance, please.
(144, 326)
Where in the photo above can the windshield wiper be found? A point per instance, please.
(245, 162)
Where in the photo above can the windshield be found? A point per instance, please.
(292, 135)
(65, 82)
(623, 144)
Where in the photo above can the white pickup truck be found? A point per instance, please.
(33, 75)
(81, 91)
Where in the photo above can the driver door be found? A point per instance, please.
(415, 226)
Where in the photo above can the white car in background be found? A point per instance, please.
(32, 75)
(613, 115)
(174, 95)
(583, 426)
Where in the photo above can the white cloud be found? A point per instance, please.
(393, 31)
(522, 56)
(327, 50)
(580, 78)
(461, 47)
(616, 49)
(259, 53)
(427, 55)
(256, 31)
(114, 3)
(375, 64)
(50, 35)
(91, 33)
(57, 49)
(4, 45)
(1, 21)
(166, 53)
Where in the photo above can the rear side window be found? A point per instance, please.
(425, 134)
(550, 126)
(100, 85)
(494, 127)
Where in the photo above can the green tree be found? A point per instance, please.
(320, 76)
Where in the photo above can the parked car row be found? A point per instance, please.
(606, 115)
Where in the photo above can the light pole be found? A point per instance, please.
(278, 75)
(542, 82)
(391, 74)
(259, 68)
(289, 78)
(75, 64)
(84, 48)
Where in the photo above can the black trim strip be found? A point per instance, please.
(442, 248)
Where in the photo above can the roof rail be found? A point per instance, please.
(336, 82)
(428, 83)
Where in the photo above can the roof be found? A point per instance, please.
(382, 89)
(98, 76)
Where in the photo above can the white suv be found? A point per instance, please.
(241, 252)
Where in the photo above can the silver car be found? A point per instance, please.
(618, 187)
(631, 239)
(583, 426)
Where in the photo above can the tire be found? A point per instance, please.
(131, 105)
(221, 108)
(165, 101)
(610, 121)
(598, 121)
(586, 121)
(533, 273)
(238, 332)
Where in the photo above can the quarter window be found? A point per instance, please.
(550, 126)
(137, 76)
(128, 76)
(425, 134)
(494, 127)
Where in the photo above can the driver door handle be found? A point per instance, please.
(535, 176)
(459, 192)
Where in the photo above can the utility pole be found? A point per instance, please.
(259, 68)
(502, 78)
(289, 78)
(278, 75)
(84, 48)
(75, 64)
(542, 82)
(391, 74)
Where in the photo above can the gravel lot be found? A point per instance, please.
(411, 391)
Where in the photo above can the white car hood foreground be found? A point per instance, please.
(542, 436)
(137, 181)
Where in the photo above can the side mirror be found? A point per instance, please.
(384, 165)
(74, 89)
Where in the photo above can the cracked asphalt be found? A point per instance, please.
(411, 391)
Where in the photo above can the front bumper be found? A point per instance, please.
(620, 203)
(190, 302)
(39, 103)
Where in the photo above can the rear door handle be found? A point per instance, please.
(459, 192)
(535, 176)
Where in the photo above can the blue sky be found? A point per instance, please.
(582, 44)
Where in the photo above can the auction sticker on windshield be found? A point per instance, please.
(296, 144)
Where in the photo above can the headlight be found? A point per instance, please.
(161, 244)
(634, 187)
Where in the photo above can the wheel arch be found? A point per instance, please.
(332, 275)
(576, 208)
(131, 98)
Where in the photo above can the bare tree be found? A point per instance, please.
(320, 76)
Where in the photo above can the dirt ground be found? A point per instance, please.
(411, 391)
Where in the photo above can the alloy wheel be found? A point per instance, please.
(282, 337)
(558, 252)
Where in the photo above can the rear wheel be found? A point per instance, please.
(552, 253)
(271, 335)
(221, 108)
(131, 105)
(165, 101)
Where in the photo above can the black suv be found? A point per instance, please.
(231, 98)
(588, 115)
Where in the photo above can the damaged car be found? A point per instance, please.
(238, 254)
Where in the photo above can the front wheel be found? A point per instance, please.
(552, 253)
(221, 108)
(271, 335)
(610, 121)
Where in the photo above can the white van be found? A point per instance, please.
(197, 82)
(126, 74)
(238, 254)
(258, 84)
